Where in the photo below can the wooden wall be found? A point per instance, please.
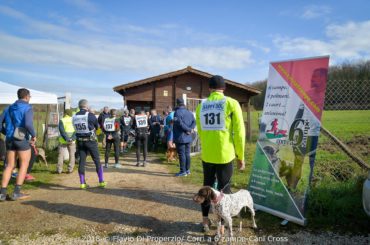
(140, 93)
(164, 94)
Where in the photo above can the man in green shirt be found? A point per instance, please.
(221, 130)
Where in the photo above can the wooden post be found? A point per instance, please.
(174, 93)
(249, 123)
(45, 143)
(153, 96)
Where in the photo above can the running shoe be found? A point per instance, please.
(29, 177)
(181, 174)
(84, 186)
(205, 228)
(117, 165)
(188, 172)
(102, 184)
(106, 165)
(2, 197)
(19, 196)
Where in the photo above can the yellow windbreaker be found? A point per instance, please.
(223, 146)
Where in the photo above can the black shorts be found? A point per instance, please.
(17, 145)
(124, 137)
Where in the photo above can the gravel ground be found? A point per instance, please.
(139, 206)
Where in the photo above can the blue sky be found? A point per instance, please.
(87, 47)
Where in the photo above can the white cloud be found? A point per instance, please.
(315, 11)
(115, 56)
(35, 26)
(257, 45)
(347, 41)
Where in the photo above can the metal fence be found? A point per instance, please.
(347, 95)
(191, 104)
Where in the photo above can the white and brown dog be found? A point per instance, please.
(226, 206)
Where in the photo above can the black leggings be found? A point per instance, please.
(223, 173)
(84, 148)
(116, 144)
(141, 140)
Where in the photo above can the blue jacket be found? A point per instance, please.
(19, 114)
(157, 127)
(183, 124)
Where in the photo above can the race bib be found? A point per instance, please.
(141, 121)
(212, 115)
(80, 123)
(109, 124)
(127, 120)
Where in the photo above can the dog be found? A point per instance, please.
(226, 206)
(40, 152)
(171, 154)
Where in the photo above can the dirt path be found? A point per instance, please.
(139, 206)
(138, 201)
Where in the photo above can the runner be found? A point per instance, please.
(18, 122)
(155, 121)
(85, 124)
(141, 128)
(221, 130)
(102, 116)
(125, 124)
(111, 131)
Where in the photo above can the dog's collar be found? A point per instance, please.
(218, 198)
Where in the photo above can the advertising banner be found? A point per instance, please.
(289, 130)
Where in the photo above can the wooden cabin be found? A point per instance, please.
(160, 91)
(191, 84)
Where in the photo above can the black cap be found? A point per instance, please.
(180, 101)
(217, 82)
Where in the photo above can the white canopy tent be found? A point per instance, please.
(8, 95)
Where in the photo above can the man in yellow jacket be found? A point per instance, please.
(221, 130)
(67, 140)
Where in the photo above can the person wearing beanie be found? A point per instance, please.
(221, 131)
(183, 126)
(86, 124)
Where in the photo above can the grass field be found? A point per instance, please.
(335, 197)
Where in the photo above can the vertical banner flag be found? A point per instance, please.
(289, 131)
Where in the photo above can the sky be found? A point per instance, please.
(87, 47)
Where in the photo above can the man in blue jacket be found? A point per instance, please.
(183, 125)
(17, 124)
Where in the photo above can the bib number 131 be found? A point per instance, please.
(212, 118)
